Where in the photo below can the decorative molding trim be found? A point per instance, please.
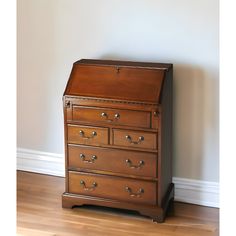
(40, 162)
(196, 191)
(186, 190)
(108, 100)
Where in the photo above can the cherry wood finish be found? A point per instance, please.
(123, 162)
(129, 190)
(118, 131)
(134, 139)
(87, 135)
(119, 81)
(112, 116)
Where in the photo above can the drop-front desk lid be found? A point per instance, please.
(123, 80)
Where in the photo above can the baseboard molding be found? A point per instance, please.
(40, 162)
(186, 190)
(197, 192)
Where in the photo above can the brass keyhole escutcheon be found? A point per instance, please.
(117, 69)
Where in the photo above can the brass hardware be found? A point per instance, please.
(81, 133)
(93, 158)
(67, 103)
(131, 194)
(94, 185)
(129, 139)
(116, 117)
(129, 162)
(156, 113)
(118, 69)
(103, 114)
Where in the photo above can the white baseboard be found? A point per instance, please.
(186, 190)
(197, 192)
(40, 162)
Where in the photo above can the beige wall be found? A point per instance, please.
(52, 34)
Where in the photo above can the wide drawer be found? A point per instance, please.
(117, 161)
(87, 135)
(112, 187)
(134, 139)
(111, 116)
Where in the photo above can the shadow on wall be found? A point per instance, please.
(195, 121)
(188, 120)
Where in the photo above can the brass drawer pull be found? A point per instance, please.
(94, 185)
(81, 133)
(93, 158)
(116, 117)
(129, 139)
(129, 162)
(131, 194)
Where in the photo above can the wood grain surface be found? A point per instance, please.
(116, 82)
(108, 186)
(39, 213)
(123, 162)
(120, 139)
(87, 137)
(100, 115)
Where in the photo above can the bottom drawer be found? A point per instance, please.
(118, 188)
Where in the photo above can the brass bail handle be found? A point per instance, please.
(94, 185)
(106, 117)
(129, 139)
(132, 166)
(132, 194)
(92, 160)
(81, 133)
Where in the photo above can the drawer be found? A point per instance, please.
(134, 139)
(87, 135)
(117, 161)
(112, 187)
(112, 116)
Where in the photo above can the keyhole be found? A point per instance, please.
(118, 70)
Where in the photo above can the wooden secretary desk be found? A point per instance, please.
(118, 136)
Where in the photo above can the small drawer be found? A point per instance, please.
(112, 187)
(87, 135)
(116, 161)
(134, 139)
(111, 116)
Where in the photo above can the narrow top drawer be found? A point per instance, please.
(111, 116)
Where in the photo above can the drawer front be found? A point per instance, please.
(123, 189)
(117, 161)
(134, 139)
(87, 135)
(112, 116)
